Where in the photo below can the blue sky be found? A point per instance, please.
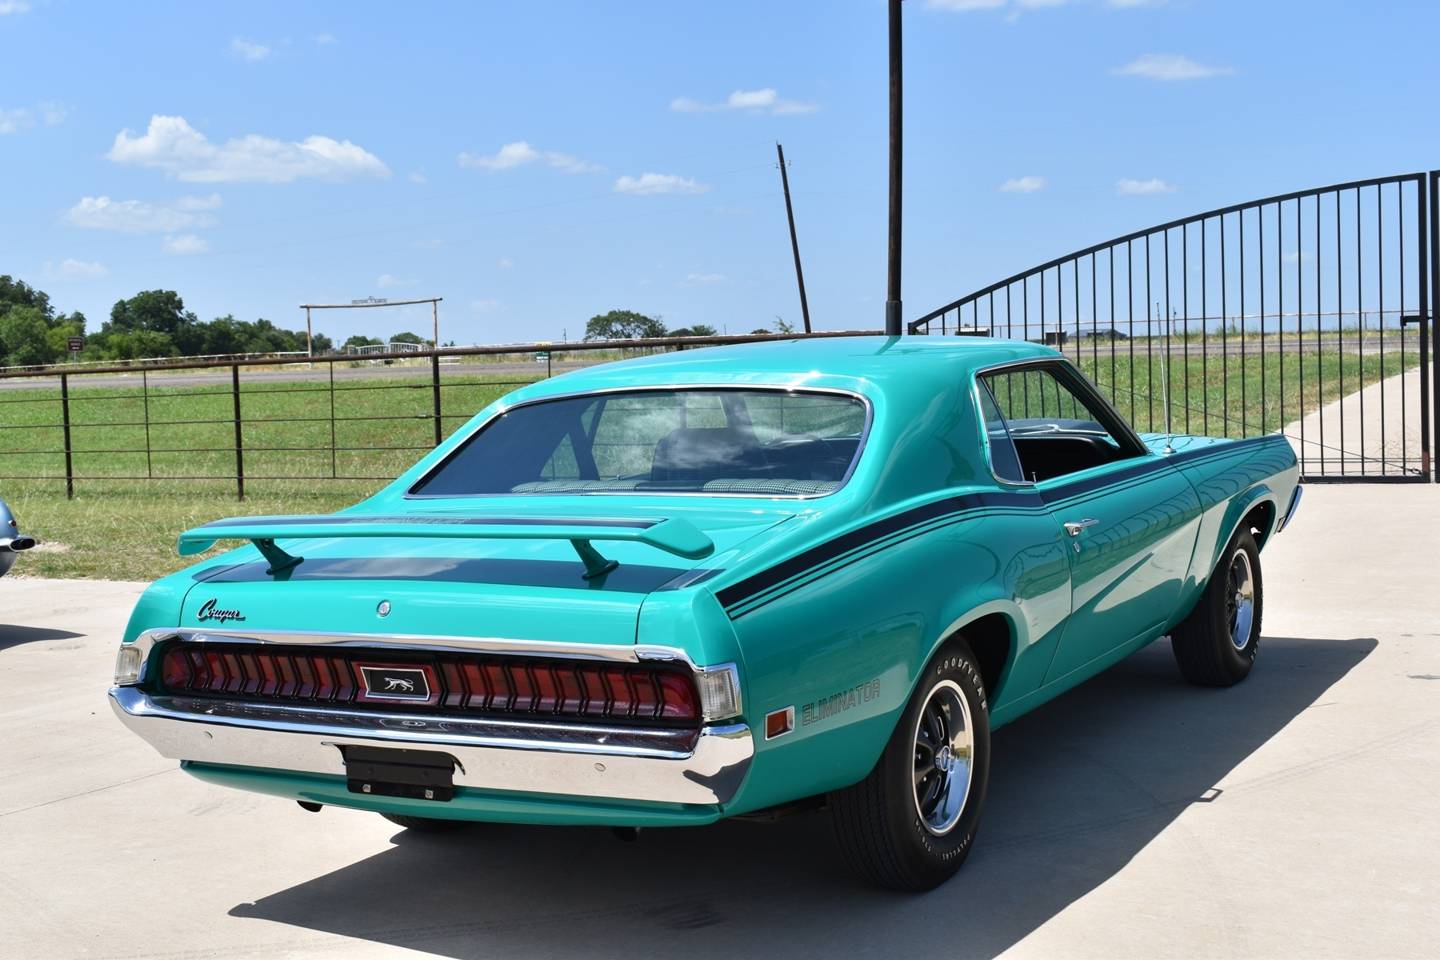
(536, 163)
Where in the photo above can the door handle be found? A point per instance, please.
(1073, 527)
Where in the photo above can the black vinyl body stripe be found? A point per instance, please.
(825, 552)
(421, 520)
(1089, 484)
(1220, 449)
(737, 593)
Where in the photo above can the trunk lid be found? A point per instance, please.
(473, 571)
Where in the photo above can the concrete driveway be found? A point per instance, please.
(1295, 815)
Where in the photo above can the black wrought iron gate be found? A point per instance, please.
(1306, 313)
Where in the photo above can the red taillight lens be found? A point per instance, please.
(176, 670)
(460, 683)
(679, 700)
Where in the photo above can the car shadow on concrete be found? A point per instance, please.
(1077, 789)
(12, 635)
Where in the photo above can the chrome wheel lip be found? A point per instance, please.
(1240, 599)
(942, 776)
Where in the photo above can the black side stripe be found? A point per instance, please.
(1089, 484)
(738, 593)
(1221, 449)
(825, 552)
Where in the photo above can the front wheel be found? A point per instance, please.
(1216, 645)
(910, 824)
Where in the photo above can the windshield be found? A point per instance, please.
(745, 441)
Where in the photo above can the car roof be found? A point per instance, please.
(861, 363)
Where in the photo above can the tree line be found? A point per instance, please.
(629, 325)
(155, 323)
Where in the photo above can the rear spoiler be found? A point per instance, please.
(675, 536)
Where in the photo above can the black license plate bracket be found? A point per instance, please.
(399, 772)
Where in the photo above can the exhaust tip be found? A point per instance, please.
(22, 543)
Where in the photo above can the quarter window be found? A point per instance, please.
(1050, 428)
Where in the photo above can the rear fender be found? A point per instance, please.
(1019, 640)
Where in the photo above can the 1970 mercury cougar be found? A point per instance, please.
(723, 582)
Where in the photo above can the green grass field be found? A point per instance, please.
(297, 461)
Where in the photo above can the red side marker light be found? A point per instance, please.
(779, 722)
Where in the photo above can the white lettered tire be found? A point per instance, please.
(911, 822)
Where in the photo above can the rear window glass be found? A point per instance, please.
(765, 442)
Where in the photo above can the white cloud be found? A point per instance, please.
(53, 112)
(520, 153)
(20, 118)
(209, 202)
(417, 176)
(765, 100)
(963, 5)
(653, 183)
(248, 50)
(504, 263)
(385, 281)
(1170, 66)
(13, 6)
(703, 279)
(326, 39)
(137, 216)
(1024, 184)
(69, 269)
(488, 305)
(1135, 188)
(967, 6)
(172, 145)
(186, 243)
(12, 121)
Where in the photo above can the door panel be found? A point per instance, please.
(1130, 519)
(1126, 569)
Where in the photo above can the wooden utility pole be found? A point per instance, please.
(794, 242)
(892, 293)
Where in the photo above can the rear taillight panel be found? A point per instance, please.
(462, 684)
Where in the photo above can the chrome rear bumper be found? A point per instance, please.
(618, 763)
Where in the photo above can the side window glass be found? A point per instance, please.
(1052, 429)
(1004, 461)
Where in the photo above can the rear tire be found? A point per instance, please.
(424, 824)
(910, 823)
(1216, 645)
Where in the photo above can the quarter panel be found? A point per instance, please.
(846, 647)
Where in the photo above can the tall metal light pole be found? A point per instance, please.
(794, 241)
(892, 290)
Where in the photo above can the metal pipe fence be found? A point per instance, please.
(254, 421)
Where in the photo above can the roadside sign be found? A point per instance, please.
(76, 344)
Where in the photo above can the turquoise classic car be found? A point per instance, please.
(726, 582)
